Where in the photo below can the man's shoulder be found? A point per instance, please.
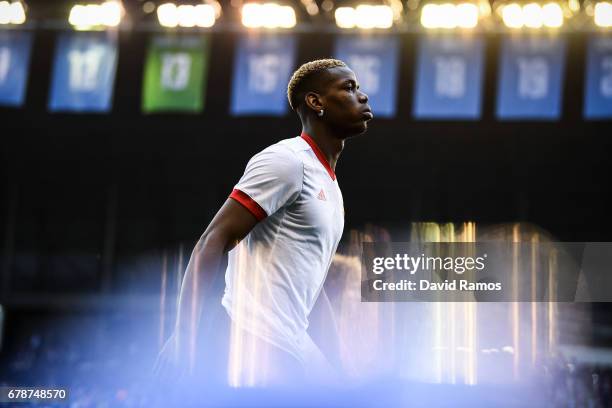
(293, 145)
(286, 150)
(282, 157)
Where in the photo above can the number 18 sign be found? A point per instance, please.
(449, 77)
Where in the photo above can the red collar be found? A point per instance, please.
(319, 154)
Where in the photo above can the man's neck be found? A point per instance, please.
(330, 145)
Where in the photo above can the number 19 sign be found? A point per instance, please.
(530, 79)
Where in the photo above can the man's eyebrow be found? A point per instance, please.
(351, 81)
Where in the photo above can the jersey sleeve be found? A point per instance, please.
(272, 179)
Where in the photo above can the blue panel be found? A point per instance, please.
(374, 61)
(449, 77)
(83, 73)
(15, 48)
(262, 70)
(598, 87)
(531, 78)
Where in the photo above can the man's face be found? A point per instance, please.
(346, 107)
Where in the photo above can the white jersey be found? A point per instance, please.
(274, 275)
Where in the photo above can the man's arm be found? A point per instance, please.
(229, 226)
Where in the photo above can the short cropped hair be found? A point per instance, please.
(301, 80)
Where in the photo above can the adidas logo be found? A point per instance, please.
(321, 195)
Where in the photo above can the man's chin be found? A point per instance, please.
(362, 129)
(356, 130)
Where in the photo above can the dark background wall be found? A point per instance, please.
(96, 192)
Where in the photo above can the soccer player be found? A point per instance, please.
(281, 225)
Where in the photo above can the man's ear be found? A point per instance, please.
(313, 101)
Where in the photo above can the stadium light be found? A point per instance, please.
(449, 15)
(603, 14)
(12, 13)
(268, 15)
(552, 15)
(512, 15)
(532, 15)
(345, 17)
(167, 15)
(364, 16)
(87, 16)
(185, 15)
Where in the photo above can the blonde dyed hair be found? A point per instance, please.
(304, 73)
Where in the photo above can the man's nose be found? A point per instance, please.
(363, 97)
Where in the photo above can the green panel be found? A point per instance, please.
(175, 74)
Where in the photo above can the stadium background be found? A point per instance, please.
(93, 203)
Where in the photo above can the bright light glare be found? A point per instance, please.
(312, 8)
(167, 15)
(552, 15)
(345, 17)
(4, 12)
(467, 15)
(574, 5)
(512, 14)
(205, 15)
(448, 15)
(374, 16)
(185, 15)
(532, 15)
(110, 13)
(92, 15)
(603, 14)
(268, 15)
(80, 16)
(364, 16)
(12, 13)
(429, 16)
